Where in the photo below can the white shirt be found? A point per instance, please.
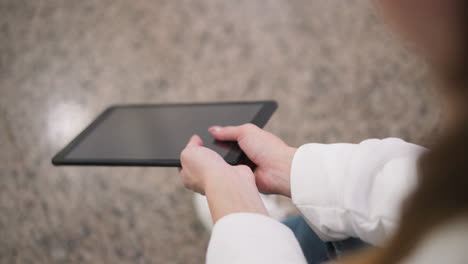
(343, 190)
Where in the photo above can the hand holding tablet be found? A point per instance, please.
(155, 135)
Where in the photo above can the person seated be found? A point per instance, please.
(403, 202)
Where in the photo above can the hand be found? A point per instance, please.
(229, 189)
(271, 155)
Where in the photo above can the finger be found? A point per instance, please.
(228, 133)
(246, 161)
(195, 141)
(244, 168)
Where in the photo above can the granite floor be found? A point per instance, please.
(338, 74)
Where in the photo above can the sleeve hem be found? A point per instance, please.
(252, 238)
(310, 182)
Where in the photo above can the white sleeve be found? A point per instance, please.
(252, 238)
(354, 190)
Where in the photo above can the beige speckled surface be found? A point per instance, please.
(334, 68)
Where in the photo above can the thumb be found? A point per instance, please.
(195, 141)
(228, 133)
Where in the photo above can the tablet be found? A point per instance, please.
(155, 135)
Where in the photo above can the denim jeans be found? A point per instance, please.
(314, 249)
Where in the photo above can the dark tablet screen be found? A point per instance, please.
(156, 134)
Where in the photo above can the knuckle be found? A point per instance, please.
(184, 154)
(182, 157)
(249, 127)
(244, 168)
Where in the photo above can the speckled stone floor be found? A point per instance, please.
(336, 71)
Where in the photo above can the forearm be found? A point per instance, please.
(354, 189)
(284, 180)
(234, 194)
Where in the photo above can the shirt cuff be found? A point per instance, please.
(252, 238)
(314, 189)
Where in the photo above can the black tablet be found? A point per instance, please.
(155, 135)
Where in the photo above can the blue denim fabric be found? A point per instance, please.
(315, 250)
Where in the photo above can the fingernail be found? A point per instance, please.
(214, 129)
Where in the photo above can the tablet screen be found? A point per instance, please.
(158, 132)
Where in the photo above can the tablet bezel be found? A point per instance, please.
(232, 157)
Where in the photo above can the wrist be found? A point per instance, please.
(227, 179)
(285, 186)
(233, 193)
